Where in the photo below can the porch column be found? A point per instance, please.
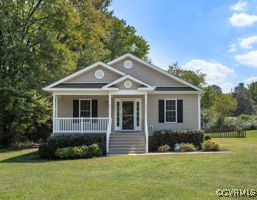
(146, 125)
(109, 123)
(54, 104)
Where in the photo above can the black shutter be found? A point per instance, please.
(75, 108)
(161, 111)
(94, 108)
(180, 111)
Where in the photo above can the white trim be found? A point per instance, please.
(146, 126)
(74, 89)
(95, 93)
(199, 111)
(82, 71)
(99, 74)
(130, 78)
(121, 100)
(127, 84)
(154, 68)
(172, 110)
(53, 117)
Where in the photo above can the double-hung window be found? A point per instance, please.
(85, 108)
(170, 106)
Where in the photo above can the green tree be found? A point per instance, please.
(225, 104)
(253, 91)
(245, 103)
(43, 41)
(123, 39)
(195, 77)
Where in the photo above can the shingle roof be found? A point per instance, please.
(174, 89)
(80, 85)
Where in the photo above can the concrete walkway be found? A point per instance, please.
(172, 153)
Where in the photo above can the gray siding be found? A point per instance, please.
(147, 75)
(89, 76)
(190, 109)
(190, 112)
(65, 105)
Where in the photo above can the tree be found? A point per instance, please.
(195, 77)
(43, 41)
(225, 104)
(123, 39)
(245, 103)
(253, 91)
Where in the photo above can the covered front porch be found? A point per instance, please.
(107, 113)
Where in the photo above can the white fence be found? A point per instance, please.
(81, 125)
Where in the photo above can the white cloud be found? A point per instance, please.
(239, 6)
(247, 43)
(216, 73)
(232, 48)
(250, 80)
(242, 19)
(249, 58)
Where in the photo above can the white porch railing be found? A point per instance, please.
(81, 125)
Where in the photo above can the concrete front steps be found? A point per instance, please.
(127, 143)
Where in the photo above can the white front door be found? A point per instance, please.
(127, 114)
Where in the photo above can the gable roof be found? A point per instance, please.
(82, 71)
(128, 55)
(130, 78)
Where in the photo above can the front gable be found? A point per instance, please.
(148, 73)
(128, 83)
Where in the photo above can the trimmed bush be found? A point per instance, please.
(164, 148)
(187, 147)
(172, 137)
(210, 145)
(72, 140)
(43, 150)
(78, 152)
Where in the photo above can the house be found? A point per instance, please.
(127, 99)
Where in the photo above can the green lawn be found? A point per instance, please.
(23, 176)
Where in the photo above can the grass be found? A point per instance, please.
(24, 176)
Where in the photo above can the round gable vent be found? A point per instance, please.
(128, 64)
(99, 74)
(127, 84)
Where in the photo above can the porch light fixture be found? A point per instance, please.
(128, 64)
(127, 84)
(99, 74)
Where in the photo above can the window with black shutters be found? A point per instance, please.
(170, 107)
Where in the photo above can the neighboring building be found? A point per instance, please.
(128, 99)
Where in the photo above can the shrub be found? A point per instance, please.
(172, 137)
(164, 148)
(207, 137)
(210, 145)
(43, 150)
(61, 141)
(187, 147)
(78, 152)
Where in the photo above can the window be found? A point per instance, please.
(85, 108)
(170, 110)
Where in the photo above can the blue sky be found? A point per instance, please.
(216, 36)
